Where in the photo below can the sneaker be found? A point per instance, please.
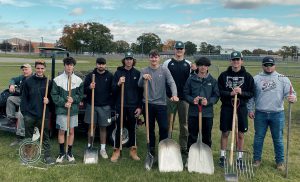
(256, 163)
(222, 161)
(60, 158)
(48, 160)
(103, 154)
(70, 158)
(240, 164)
(280, 167)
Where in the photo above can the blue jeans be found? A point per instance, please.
(261, 123)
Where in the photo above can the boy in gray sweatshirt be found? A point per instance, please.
(158, 78)
(271, 88)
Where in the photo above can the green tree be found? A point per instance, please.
(246, 52)
(148, 41)
(259, 51)
(121, 46)
(190, 48)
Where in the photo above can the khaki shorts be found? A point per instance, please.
(61, 122)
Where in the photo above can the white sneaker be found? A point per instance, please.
(60, 158)
(70, 158)
(103, 154)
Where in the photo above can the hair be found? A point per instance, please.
(133, 64)
(203, 61)
(39, 62)
(154, 52)
(69, 60)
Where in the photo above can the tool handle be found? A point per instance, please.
(69, 112)
(232, 131)
(92, 106)
(122, 114)
(44, 115)
(146, 109)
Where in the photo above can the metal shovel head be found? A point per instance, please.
(169, 156)
(90, 156)
(149, 161)
(200, 159)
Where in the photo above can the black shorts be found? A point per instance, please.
(226, 119)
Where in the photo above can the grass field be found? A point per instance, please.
(128, 170)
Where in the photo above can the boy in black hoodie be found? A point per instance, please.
(133, 94)
(234, 81)
(32, 104)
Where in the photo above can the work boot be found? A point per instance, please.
(116, 155)
(133, 154)
(280, 167)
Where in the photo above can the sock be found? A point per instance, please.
(70, 150)
(223, 153)
(102, 146)
(62, 148)
(89, 145)
(240, 155)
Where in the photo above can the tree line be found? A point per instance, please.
(93, 37)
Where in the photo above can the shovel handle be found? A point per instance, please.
(69, 112)
(232, 130)
(288, 134)
(44, 115)
(92, 107)
(121, 114)
(146, 109)
(200, 117)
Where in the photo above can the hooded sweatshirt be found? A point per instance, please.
(270, 91)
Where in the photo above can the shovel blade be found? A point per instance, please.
(200, 159)
(169, 156)
(149, 161)
(90, 156)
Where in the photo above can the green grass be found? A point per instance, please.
(128, 170)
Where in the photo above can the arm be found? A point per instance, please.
(87, 82)
(56, 97)
(171, 82)
(24, 99)
(78, 94)
(187, 92)
(215, 95)
(249, 92)
(222, 90)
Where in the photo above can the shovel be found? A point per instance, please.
(200, 155)
(150, 158)
(230, 171)
(169, 155)
(69, 112)
(91, 154)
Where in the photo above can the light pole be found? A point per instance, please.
(42, 45)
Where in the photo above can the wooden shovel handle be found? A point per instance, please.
(232, 130)
(146, 109)
(92, 106)
(69, 112)
(44, 115)
(121, 115)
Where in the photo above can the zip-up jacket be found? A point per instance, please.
(133, 94)
(204, 87)
(32, 97)
(18, 81)
(180, 71)
(60, 92)
(103, 88)
(229, 80)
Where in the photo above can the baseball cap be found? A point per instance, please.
(179, 45)
(101, 60)
(236, 55)
(25, 66)
(203, 61)
(128, 55)
(268, 60)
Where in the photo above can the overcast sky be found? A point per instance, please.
(238, 24)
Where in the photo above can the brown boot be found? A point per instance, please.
(116, 155)
(133, 154)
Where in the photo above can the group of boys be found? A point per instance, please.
(175, 85)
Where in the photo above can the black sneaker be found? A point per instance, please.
(48, 160)
(222, 161)
(240, 164)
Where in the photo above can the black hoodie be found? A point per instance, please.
(103, 89)
(132, 93)
(230, 79)
(32, 97)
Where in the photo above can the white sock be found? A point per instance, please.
(102, 146)
(223, 153)
(240, 155)
(89, 145)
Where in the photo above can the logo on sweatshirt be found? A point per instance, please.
(232, 82)
(267, 85)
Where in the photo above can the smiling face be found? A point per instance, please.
(236, 63)
(154, 61)
(269, 68)
(40, 70)
(179, 53)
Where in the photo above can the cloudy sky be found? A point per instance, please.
(238, 24)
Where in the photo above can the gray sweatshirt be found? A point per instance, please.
(270, 91)
(161, 78)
